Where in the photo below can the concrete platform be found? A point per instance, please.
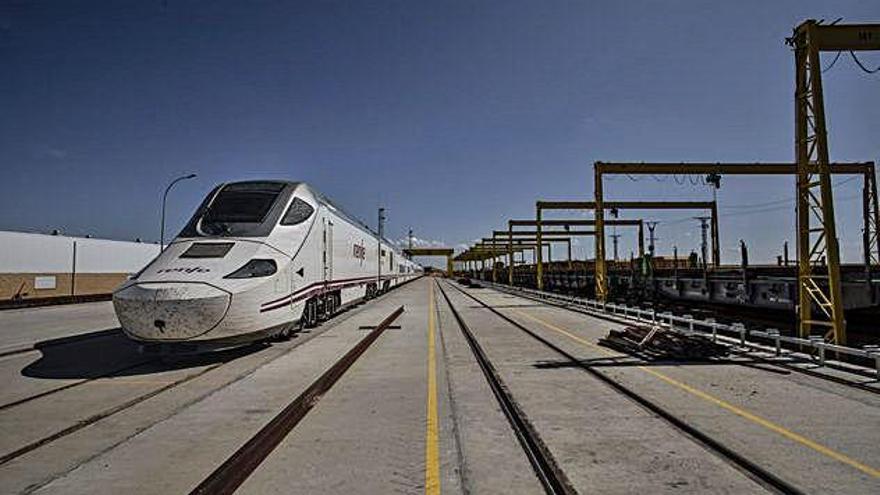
(822, 437)
(24, 329)
(414, 414)
(170, 442)
(604, 442)
(367, 435)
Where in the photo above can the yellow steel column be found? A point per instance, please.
(866, 229)
(539, 268)
(875, 212)
(803, 192)
(494, 260)
(509, 254)
(450, 271)
(641, 239)
(871, 221)
(599, 215)
(716, 247)
(812, 151)
(569, 253)
(831, 246)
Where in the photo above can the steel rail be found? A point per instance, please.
(41, 442)
(238, 467)
(750, 468)
(101, 415)
(714, 328)
(549, 473)
(23, 348)
(61, 388)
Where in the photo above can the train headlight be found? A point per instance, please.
(254, 269)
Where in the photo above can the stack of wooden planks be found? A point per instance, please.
(662, 343)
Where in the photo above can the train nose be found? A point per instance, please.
(170, 311)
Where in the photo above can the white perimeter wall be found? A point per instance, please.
(39, 253)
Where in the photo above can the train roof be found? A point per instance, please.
(348, 216)
(324, 200)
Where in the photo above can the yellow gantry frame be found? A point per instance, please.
(482, 251)
(536, 223)
(448, 252)
(600, 222)
(539, 232)
(528, 241)
(531, 236)
(815, 201)
(871, 218)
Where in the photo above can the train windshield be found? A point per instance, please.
(240, 209)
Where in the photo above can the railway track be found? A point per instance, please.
(758, 473)
(100, 416)
(228, 356)
(865, 387)
(550, 475)
(24, 348)
(117, 408)
(239, 466)
(68, 386)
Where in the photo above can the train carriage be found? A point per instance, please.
(257, 260)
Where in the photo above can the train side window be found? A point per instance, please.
(298, 212)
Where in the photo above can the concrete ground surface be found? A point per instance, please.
(599, 438)
(820, 436)
(414, 413)
(24, 328)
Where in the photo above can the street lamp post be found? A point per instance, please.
(164, 199)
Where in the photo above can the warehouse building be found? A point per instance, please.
(40, 265)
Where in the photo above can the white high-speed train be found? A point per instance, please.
(257, 260)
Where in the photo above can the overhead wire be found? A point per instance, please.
(783, 207)
(749, 208)
(836, 57)
(780, 201)
(859, 63)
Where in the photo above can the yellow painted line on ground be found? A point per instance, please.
(754, 418)
(432, 444)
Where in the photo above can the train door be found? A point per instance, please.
(328, 250)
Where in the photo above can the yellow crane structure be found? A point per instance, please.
(483, 250)
(600, 222)
(534, 235)
(501, 249)
(817, 233)
(871, 219)
(819, 276)
(447, 252)
(529, 235)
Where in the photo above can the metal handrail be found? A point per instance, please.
(708, 326)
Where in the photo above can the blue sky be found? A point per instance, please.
(453, 115)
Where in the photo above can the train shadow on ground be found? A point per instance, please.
(110, 353)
